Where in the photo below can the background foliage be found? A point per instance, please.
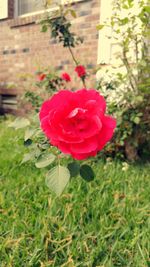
(127, 87)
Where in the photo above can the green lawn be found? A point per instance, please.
(104, 223)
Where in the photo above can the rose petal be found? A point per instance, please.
(64, 147)
(91, 128)
(107, 131)
(56, 102)
(84, 96)
(109, 122)
(84, 155)
(75, 111)
(87, 146)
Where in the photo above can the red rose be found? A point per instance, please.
(41, 77)
(76, 123)
(66, 77)
(80, 71)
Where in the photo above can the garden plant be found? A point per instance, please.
(75, 122)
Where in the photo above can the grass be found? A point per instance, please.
(104, 223)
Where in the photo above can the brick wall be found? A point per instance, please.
(23, 47)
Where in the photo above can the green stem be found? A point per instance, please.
(76, 62)
(83, 80)
(73, 57)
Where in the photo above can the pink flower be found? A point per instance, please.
(76, 123)
(41, 77)
(80, 71)
(66, 77)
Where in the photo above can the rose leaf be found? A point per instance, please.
(28, 134)
(87, 173)
(19, 123)
(45, 160)
(57, 179)
(74, 168)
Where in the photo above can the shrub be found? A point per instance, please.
(126, 88)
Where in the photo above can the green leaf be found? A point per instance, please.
(45, 160)
(27, 157)
(136, 120)
(35, 152)
(44, 28)
(130, 2)
(146, 9)
(87, 173)
(57, 179)
(139, 98)
(74, 168)
(73, 13)
(100, 27)
(123, 21)
(44, 146)
(28, 142)
(125, 6)
(28, 134)
(19, 123)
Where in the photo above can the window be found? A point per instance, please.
(28, 6)
(3, 9)
(25, 7)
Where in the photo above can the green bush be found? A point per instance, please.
(132, 136)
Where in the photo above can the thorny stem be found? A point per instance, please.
(137, 55)
(73, 57)
(76, 62)
(83, 80)
(136, 49)
(132, 79)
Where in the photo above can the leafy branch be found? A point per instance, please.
(61, 32)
